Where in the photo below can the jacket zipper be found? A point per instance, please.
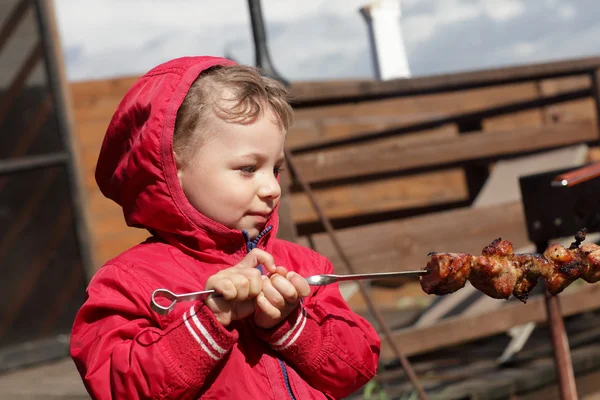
(251, 244)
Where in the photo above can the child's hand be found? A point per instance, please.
(280, 295)
(239, 286)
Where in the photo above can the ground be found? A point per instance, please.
(53, 380)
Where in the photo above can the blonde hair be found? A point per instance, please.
(237, 94)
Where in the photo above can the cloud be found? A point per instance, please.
(322, 39)
(504, 33)
(120, 37)
(503, 10)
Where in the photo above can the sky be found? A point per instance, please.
(322, 39)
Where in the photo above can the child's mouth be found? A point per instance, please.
(260, 217)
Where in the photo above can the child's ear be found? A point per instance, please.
(179, 166)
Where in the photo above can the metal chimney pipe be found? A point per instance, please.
(261, 50)
(388, 52)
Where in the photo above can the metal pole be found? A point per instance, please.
(595, 77)
(560, 343)
(261, 50)
(44, 12)
(412, 376)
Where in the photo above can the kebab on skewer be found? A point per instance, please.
(498, 272)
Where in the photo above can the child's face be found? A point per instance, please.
(232, 178)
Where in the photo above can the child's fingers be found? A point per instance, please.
(225, 286)
(257, 257)
(242, 286)
(267, 308)
(278, 270)
(254, 279)
(244, 308)
(272, 294)
(217, 304)
(302, 287)
(285, 288)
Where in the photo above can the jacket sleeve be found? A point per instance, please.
(332, 347)
(123, 350)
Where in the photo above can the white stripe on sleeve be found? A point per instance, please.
(195, 335)
(300, 322)
(204, 332)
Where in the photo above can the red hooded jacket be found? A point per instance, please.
(124, 350)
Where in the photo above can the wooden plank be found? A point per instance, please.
(350, 90)
(493, 382)
(97, 100)
(513, 121)
(92, 106)
(110, 233)
(403, 244)
(390, 194)
(90, 133)
(579, 109)
(18, 82)
(564, 112)
(110, 246)
(432, 105)
(101, 109)
(101, 207)
(587, 389)
(407, 296)
(287, 227)
(398, 153)
(87, 92)
(87, 164)
(458, 330)
(111, 224)
(9, 25)
(313, 132)
(90, 93)
(569, 111)
(24, 286)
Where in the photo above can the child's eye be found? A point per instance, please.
(277, 171)
(248, 169)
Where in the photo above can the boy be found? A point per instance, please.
(193, 155)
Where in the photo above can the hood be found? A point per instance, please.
(136, 167)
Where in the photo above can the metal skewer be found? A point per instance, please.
(326, 279)
(314, 280)
(175, 298)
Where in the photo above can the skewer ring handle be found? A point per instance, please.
(166, 294)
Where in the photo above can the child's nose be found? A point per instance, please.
(269, 187)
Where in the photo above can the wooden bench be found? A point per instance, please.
(400, 191)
